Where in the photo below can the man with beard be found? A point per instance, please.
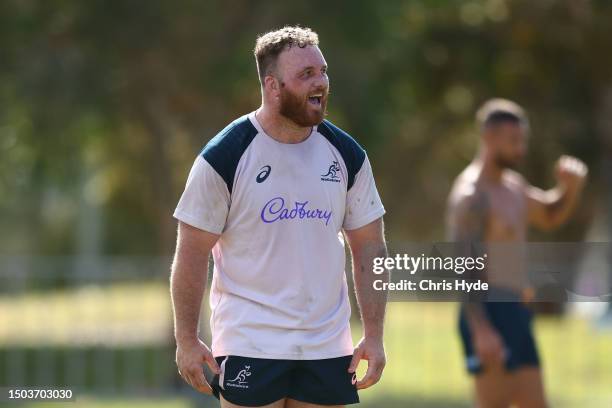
(270, 195)
(491, 206)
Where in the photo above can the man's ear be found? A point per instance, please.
(272, 85)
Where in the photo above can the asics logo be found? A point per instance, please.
(263, 174)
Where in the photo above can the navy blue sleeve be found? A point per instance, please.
(223, 152)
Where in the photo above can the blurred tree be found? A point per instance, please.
(104, 105)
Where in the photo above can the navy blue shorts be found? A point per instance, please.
(513, 322)
(255, 382)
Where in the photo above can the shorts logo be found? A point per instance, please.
(354, 379)
(332, 173)
(241, 379)
(263, 174)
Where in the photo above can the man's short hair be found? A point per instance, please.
(497, 111)
(269, 46)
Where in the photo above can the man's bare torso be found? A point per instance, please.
(494, 213)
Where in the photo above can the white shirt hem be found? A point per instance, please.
(281, 356)
(194, 222)
(374, 215)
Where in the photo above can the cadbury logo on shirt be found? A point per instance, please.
(275, 210)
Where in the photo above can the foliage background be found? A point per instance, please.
(104, 105)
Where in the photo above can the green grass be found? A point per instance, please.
(425, 365)
(132, 313)
(425, 362)
(98, 402)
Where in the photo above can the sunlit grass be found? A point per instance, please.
(425, 363)
(425, 359)
(110, 314)
(97, 402)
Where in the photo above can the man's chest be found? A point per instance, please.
(281, 184)
(507, 215)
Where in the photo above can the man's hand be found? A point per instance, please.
(187, 285)
(570, 173)
(489, 346)
(367, 243)
(189, 360)
(373, 350)
(550, 209)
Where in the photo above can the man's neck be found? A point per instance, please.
(280, 128)
(489, 170)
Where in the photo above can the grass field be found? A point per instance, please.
(424, 367)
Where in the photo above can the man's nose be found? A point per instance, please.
(321, 81)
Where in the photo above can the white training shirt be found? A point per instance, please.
(279, 287)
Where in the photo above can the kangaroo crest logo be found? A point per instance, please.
(332, 173)
(240, 381)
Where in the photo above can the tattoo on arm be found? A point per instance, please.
(471, 221)
(372, 303)
(469, 233)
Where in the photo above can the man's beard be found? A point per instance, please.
(505, 163)
(295, 109)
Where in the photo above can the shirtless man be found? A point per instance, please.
(492, 204)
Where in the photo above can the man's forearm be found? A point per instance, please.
(472, 302)
(187, 285)
(475, 315)
(372, 303)
(562, 202)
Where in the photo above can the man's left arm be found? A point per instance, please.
(549, 209)
(367, 243)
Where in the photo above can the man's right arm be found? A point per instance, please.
(187, 284)
(470, 214)
(468, 228)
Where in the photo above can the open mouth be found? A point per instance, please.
(315, 99)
